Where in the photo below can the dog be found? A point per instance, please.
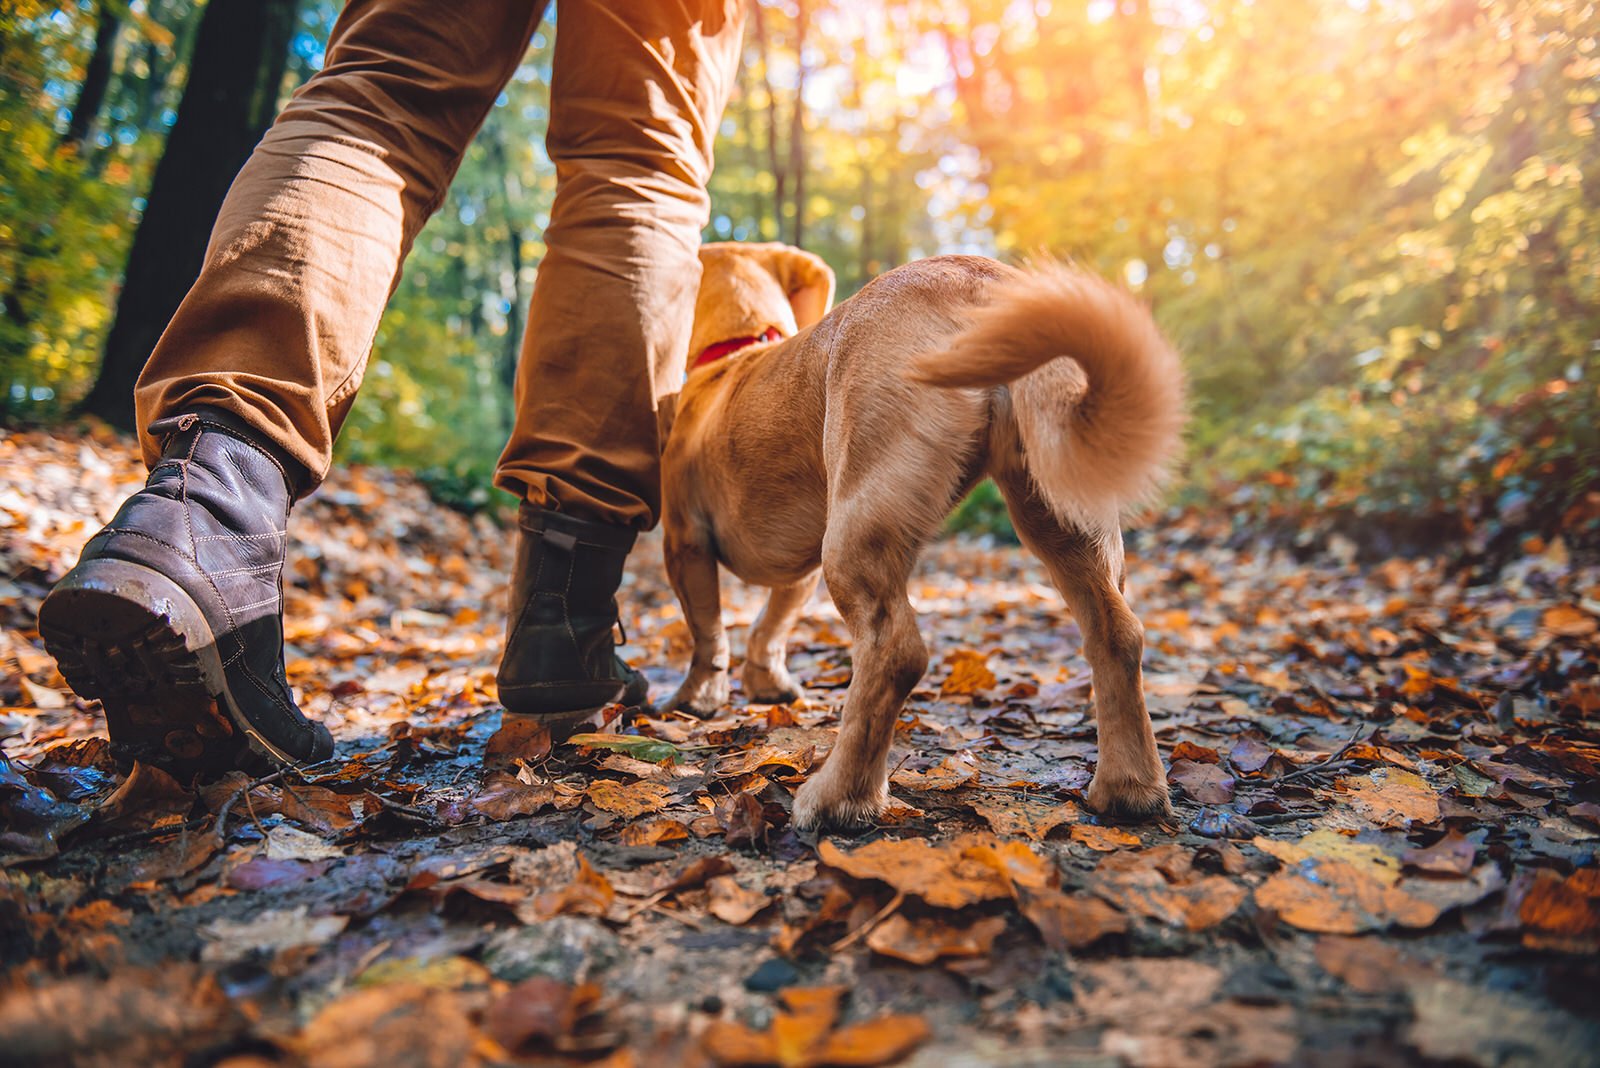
(810, 442)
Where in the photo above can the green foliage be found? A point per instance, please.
(1373, 227)
(983, 512)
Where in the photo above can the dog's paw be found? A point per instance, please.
(769, 686)
(823, 804)
(1130, 799)
(700, 695)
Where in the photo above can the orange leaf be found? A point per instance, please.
(629, 799)
(969, 674)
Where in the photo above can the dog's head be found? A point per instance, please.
(745, 289)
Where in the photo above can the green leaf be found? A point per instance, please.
(652, 749)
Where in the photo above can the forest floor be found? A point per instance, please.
(1386, 779)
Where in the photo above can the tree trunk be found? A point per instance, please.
(774, 164)
(797, 126)
(240, 53)
(96, 80)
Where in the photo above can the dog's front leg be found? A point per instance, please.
(766, 675)
(692, 568)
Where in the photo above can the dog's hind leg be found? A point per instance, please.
(692, 569)
(765, 675)
(867, 558)
(1088, 570)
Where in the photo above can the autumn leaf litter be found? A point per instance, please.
(1385, 775)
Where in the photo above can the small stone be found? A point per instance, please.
(774, 974)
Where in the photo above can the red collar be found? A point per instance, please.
(713, 353)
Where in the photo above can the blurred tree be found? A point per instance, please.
(241, 53)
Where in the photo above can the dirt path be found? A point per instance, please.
(1387, 785)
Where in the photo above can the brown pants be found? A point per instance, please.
(308, 246)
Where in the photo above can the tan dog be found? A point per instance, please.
(841, 448)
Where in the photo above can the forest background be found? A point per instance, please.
(1373, 226)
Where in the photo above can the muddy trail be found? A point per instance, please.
(1386, 777)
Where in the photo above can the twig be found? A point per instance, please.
(865, 929)
(1331, 762)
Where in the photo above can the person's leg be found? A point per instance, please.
(636, 98)
(308, 245)
(172, 617)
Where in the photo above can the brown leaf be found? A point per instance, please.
(1206, 783)
(1367, 965)
(653, 832)
(398, 1023)
(503, 796)
(588, 894)
(925, 940)
(540, 1011)
(1197, 753)
(1562, 914)
(743, 818)
(148, 796)
(1103, 839)
(884, 1040)
(1392, 797)
(1069, 921)
(732, 903)
(955, 771)
(969, 674)
(520, 739)
(629, 799)
(1333, 897)
(1161, 883)
(1450, 855)
(697, 873)
(1021, 814)
(945, 875)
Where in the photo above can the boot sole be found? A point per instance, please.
(129, 637)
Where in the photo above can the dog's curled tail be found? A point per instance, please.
(1096, 389)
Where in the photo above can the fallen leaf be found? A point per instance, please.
(520, 739)
(1161, 883)
(503, 796)
(653, 750)
(394, 1024)
(1450, 855)
(1334, 897)
(1206, 783)
(732, 903)
(1561, 914)
(969, 674)
(1371, 859)
(927, 939)
(1069, 921)
(1103, 839)
(944, 875)
(270, 930)
(653, 832)
(291, 843)
(1368, 965)
(1022, 814)
(1198, 753)
(743, 819)
(588, 894)
(545, 1013)
(955, 771)
(1392, 797)
(629, 799)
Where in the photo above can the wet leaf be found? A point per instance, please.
(1103, 839)
(629, 799)
(520, 739)
(949, 875)
(732, 903)
(925, 940)
(504, 796)
(653, 750)
(1205, 783)
(1392, 797)
(1020, 814)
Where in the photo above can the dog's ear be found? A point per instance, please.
(806, 279)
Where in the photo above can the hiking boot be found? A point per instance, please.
(560, 663)
(173, 617)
